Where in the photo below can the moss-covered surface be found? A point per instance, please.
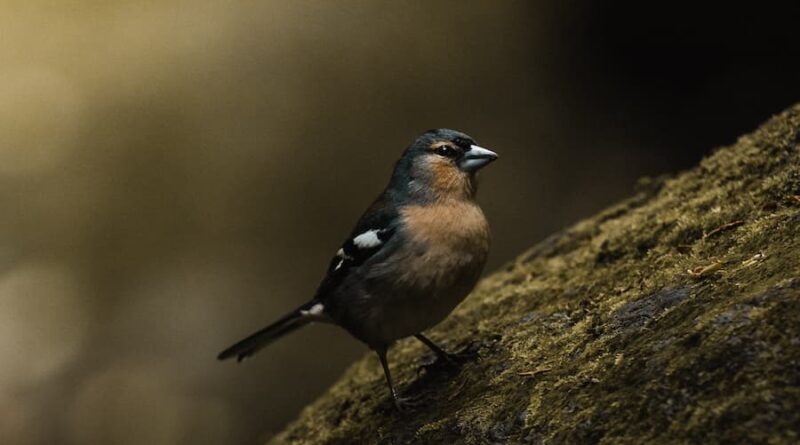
(672, 317)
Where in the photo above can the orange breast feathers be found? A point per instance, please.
(451, 227)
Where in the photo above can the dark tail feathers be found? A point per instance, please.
(299, 317)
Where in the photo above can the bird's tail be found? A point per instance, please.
(311, 311)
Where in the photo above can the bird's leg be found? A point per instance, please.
(452, 360)
(441, 354)
(385, 364)
(400, 403)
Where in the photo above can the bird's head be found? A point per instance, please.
(441, 164)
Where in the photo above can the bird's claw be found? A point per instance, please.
(450, 361)
(407, 404)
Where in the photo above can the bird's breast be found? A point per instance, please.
(444, 250)
(447, 244)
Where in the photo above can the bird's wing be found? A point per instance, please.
(370, 236)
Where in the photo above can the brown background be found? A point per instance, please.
(174, 175)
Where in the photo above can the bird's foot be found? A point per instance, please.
(408, 403)
(450, 361)
(461, 358)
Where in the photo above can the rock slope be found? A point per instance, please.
(671, 317)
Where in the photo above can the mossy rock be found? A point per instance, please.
(671, 317)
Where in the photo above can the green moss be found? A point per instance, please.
(600, 334)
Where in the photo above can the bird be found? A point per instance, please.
(411, 258)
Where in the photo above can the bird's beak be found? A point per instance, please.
(476, 158)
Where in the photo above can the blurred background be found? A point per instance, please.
(173, 175)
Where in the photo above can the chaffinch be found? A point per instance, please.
(414, 255)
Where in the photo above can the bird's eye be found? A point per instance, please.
(447, 151)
